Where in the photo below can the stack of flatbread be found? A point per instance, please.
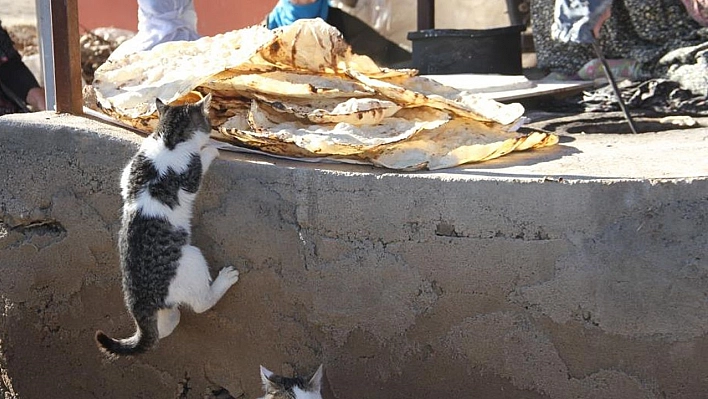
(300, 92)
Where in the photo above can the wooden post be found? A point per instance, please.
(67, 56)
(426, 14)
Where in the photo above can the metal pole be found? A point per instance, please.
(608, 73)
(426, 14)
(46, 50)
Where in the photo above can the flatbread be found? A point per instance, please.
(356, 111)
(343, 139)
(290, 84)
(466, 105)
(128, 86)
(458, 142)
(299, 91)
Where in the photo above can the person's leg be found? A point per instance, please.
(17, 80)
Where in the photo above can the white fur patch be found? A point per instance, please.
(125, 181)
(300, 394)
(148, 206)
(192, 279)
(164, 159)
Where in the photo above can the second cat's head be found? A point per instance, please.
(183, 122)
(279, 387)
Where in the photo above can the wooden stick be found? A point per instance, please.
(67, 56)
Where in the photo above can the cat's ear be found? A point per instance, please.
(269, 386)
(315, 383)
(205, 102)
(265, 377)
(160, 106)
(265, 373)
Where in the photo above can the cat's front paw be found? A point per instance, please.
(229, 275)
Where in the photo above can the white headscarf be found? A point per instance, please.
(161, 21)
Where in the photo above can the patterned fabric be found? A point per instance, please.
(665, 97)
(642, 30)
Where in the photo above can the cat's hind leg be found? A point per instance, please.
(167, 320)
(227, 277)
(192, 284)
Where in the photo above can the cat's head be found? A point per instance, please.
(279, 387)
(183, 122)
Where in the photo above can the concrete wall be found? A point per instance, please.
(472, 283)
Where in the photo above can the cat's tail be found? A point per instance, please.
(145, 337)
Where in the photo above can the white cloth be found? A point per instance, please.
(161, 21)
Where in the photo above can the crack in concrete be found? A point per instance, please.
(448, 229)
(39, 233)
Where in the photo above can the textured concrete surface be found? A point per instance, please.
(574, 272)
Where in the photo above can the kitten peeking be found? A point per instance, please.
(279, 387)
(161, 269)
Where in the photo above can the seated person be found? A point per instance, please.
(635, 36)
(363, 38)
(18, 86)
(163, 21)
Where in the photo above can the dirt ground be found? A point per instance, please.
(19, 18)
(17, 12)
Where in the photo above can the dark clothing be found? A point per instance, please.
(664, 97)
(366, 40)
(16, 79)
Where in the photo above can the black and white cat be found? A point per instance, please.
(161, 269)
(279, 387)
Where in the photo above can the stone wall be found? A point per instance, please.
(419, 285)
